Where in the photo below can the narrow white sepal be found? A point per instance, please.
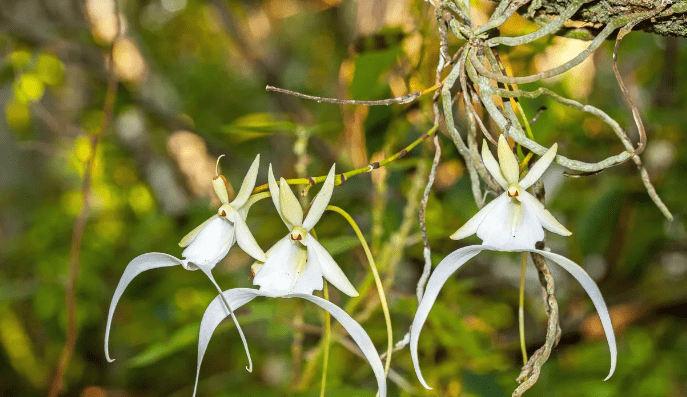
(543, 215)
(470, 227)
(593, 291)
(246, 240)
(539, 167)
(507, 161)
(228, 306)
(237, 297)
(248, 184)
(330, 269)
(274, 193)
(141, 263)
(441, 273)
(492, 165)
(291, 209)
(321, 201)
(188, 239)
(214, 314)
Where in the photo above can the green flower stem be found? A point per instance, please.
(340, 178)
(378, 281)
(521, 309)
(327, 341)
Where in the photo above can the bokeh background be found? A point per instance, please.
(191, 86)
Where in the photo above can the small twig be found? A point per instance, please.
(79, 227)
(626, 94)
(536, 115)
(427, 251)
(403, 99)
(635, 111)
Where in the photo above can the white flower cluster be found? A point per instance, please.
(296, 265)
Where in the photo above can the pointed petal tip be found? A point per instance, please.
(507, 161)
(459, 234)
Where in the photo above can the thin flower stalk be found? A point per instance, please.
(327, 342)
(378, 282)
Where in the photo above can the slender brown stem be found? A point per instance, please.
(403, 99)
(78, 231)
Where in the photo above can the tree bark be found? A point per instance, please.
(594, 15)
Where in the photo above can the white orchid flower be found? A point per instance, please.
(294, 269)
(512, 222)
(515, 219)
(205, 246)
(210, 242)
(297, 263)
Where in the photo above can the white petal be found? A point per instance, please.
(539, 167)
(441, 273)
(214, 314)
(321, 201)
(492, 165)
(509, 164)
(274, 193)
(246, 240)
(593, 291)
(470, 227)
(544, 216)
(219, 184)
(193, 233)
(276, 276)
(228, 305)
(496, 230)
(358, 335)
(237, 297)
(138, 265)
(210, 245)
(330, 270)
(291, 209)
(248, 184)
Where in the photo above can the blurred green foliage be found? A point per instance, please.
(205, 68)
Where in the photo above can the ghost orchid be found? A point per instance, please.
(205, 246)
(294, 269)
(512, 222)
(298, 261)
